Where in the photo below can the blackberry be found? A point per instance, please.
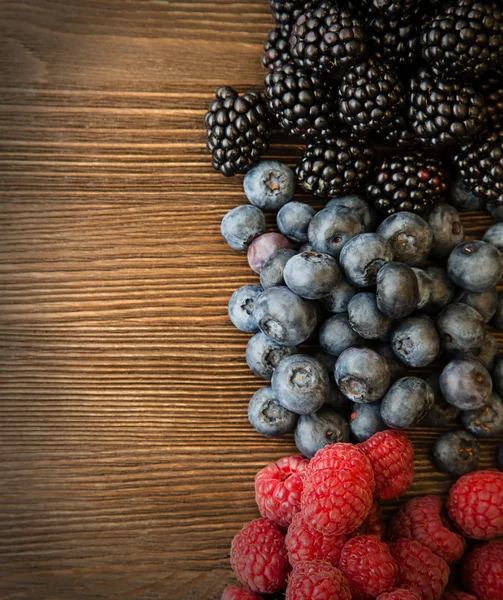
(465, 40)
(370, 96)
(492, 91)
(392, 8)
(394, 40)
(276, 48)
(238, 130)
(335, 165)
(327, 39)
(409, 182)
(301, 101)
(398, 132)
(284, 11)
(444, 112)
(480, 166)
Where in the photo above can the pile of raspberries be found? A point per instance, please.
(321, 535)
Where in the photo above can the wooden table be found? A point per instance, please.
(127, 458)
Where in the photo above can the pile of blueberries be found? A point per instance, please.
(376, 304)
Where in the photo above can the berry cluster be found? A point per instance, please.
(321, 534)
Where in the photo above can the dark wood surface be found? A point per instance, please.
(127, 458)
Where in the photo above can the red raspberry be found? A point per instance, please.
(278, 488)
(419, 569)
(398, 594)
(421, 520)
(475, 504)
(483, 571)
(368, 566)
(373, 524)
(392, 459)
(318, 580)
(233, 592)
(343, 456)
(259, 558)
(457, 596)
(305, 543)
(335, 501)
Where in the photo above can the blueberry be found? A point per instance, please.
(335, 397)
(338, 299)
(269, 185)
(363, 256)
(307, 248)
(263, 247)
(441, 290)
(424, 285)
(366, 319)
(494, 236)
(365, 420)
(461, 329)
(241, 307)
(267, 416)
(355, 204)
(496, 212)
(301, 384)
(396, 368)
(497, 375)
(474, 266)
(415, 341)
(397, 290)
(406, 403)
(486, 421)
(271, 273)
(293, 221)
(409, 235)
(242, 225)
(484, 303)
(463, 199)
(447, 229)
(488, 353)
(316, 431)
(337, 335)
(263, 355)
(497, 321)
(466, 383)
(362, 375)
(311, 275)
(441, 413)
(328, 361)
(331, 228)
(456, 452)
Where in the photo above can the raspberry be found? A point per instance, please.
(233, 592)
(259, 558)
(483, 571)
(335, 501)
(457, 596)
(398, 594)
(421, 520)
(373, 524)
(368, 566)
(278, 488)
(317, 579)
(305, 543)
(475, 504)
(419, 569)
(342, 456)
(392, 459)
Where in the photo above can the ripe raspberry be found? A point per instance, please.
(335, 501)
(421, 520)
(342, 456)
(398, 594)
(278, 488)
(475, 504)
(317, 579)
(373, 524)
(305, 543)
(419, 569)
(368, 566)
(483, 571)
(457, 596)
(233, 592)
(392, 459)
(259, 558)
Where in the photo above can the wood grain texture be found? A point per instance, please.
(127, 459)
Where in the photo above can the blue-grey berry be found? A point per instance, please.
(441, 413)
(463, 199)
(241, 306)
(331, 228)
(396, 367)
(488, 353)
(293, 221)
(272, 272)
(424, 286)
(486, 421)
(336, 335)
(365, 420)
(485, 303)
(267, 416)
(338, 299)
(362, 375)
(497, 376)
(406, 403)
(365, 317)
(415, 341)
(314, 432)
(494, 236)
(311, 275)
(363, 256)
(456, 452)
(466, 383)
(242, 225)
(447, 229)
(497, 321)
(397, 290)
(409, 236)
(474, 266)
(269, 185)
(355, 204)
(441, 290)
(263, 355)
(461, 329)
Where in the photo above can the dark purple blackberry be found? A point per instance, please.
(492, 90)
(283, 10)
(327, 39)
(480, 166)
(398, 132)
(394, 40)
(333, 166)
(277, 48)
(407, 182)
(444, 112)
(465, 40)
(370, 96)
(392, 8)
(302, 102)
(238, 130)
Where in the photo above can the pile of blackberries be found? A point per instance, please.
(375, 303)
